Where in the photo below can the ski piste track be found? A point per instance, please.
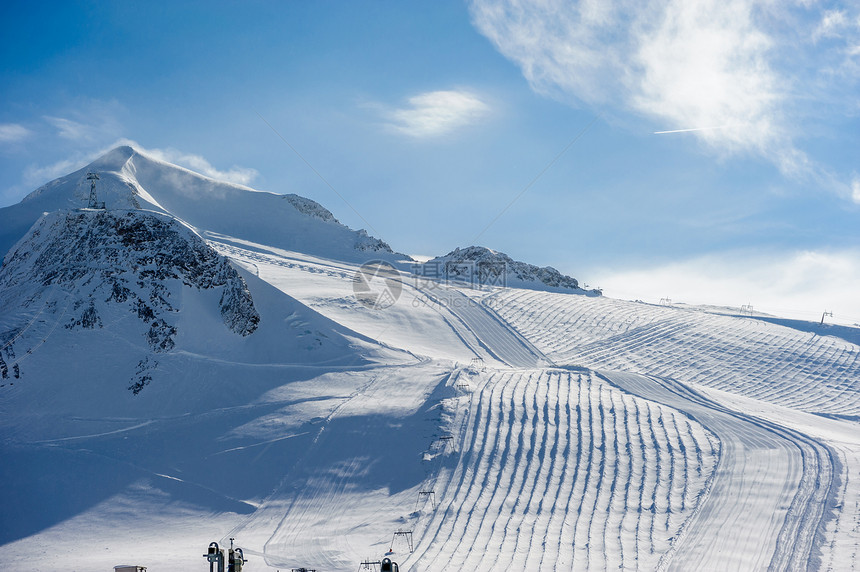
(745, 356)
(569, 449)
(763, 467)
(554, 467)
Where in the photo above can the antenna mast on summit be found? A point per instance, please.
(93, 202)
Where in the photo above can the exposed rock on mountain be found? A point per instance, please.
(84, 268)
(480, 266)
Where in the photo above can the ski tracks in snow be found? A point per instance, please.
(473, 320)
(562, 468)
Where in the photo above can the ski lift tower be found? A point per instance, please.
(93, 202)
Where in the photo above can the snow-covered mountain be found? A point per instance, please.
(126, 292)
(480, 266)
(105, 266)
(196, 364)
(130, 179)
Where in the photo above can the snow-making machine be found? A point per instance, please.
(233, 558)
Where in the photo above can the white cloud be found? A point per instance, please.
(36, 175)
(437, 113)
(68, 129)
(713, 64)
(855, 190)
(832, 24)
(704, 64)
(13, 132)
(89, 121)
(797, 285)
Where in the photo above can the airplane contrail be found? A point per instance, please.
(693, 129)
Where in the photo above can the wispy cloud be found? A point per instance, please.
(833, 23)
(791, 284)
(685, 65)
(855, 189)
(437, 113)
(71, 130)
(13, 132)
(705, 63)
(66, 128)
(35, 175)
(82, 130)
(88, 121)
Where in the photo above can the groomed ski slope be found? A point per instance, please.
(769, 492)
(778, 494)
(561, 456)
(559, 470)
(784, 366)
(585, 433)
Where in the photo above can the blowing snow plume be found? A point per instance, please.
(131, 179)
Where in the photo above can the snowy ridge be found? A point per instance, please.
(145, 289)
(310, 208)
(130, 179)
(480, 266)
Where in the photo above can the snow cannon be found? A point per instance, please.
(215, 556)
(389, 566)
(234, 558)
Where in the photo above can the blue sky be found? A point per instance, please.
(429, 118)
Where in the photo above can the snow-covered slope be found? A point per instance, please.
(781, 484)
(479, 266)
(800, 369)
(130, 179)
(108, 302)
(158, 397)
(553, 488)
(137, 361)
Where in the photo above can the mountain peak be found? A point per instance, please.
(133, 179)
(113, 160)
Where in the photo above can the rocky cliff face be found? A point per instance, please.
(310, 208)
(84, 270)
(479, 266)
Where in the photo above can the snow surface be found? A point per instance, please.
(504, 428)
